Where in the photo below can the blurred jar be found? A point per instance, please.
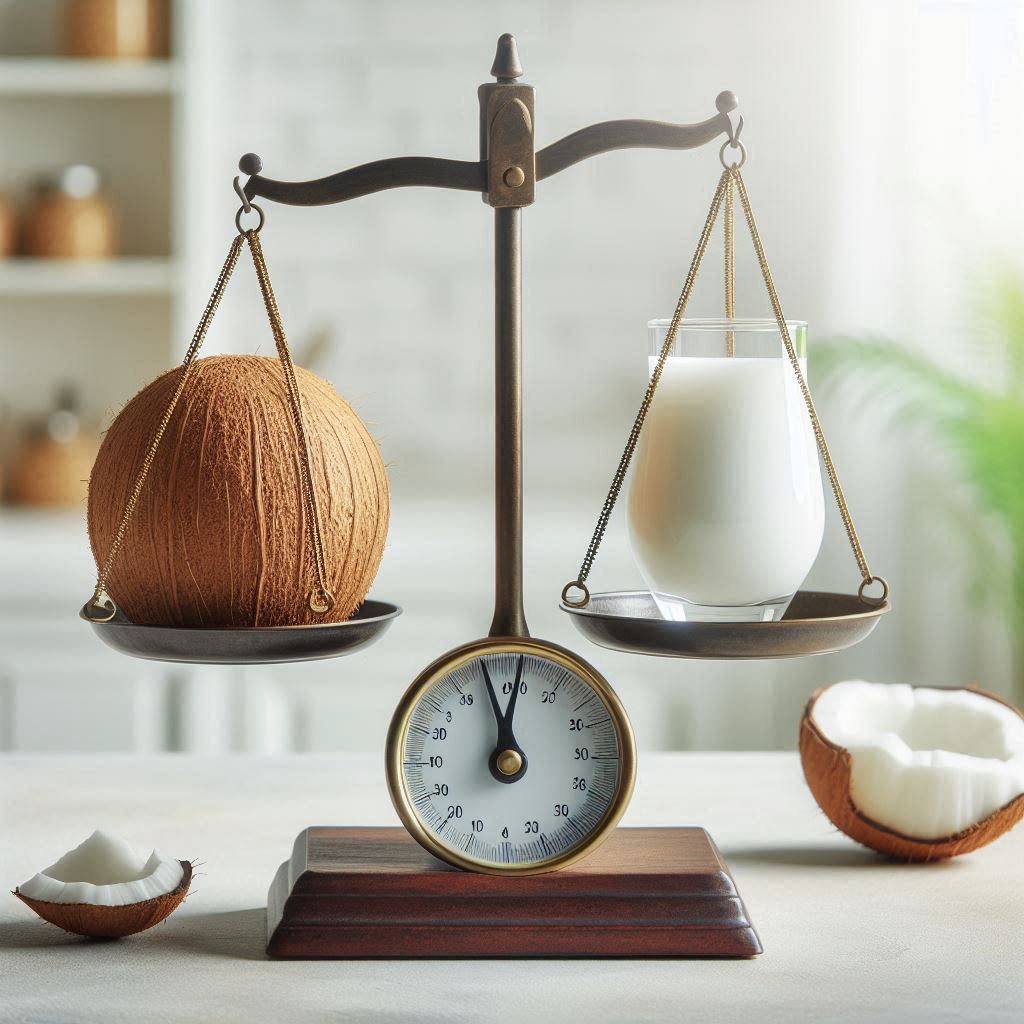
(69, 219)
(52, 463)
(133, 29)
(8, 228)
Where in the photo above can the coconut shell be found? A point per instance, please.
(827, 769)
(220, 535)
(111, 922)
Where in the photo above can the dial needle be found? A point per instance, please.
(508, 761)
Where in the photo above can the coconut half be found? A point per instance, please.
(914, 772)
(104, 889)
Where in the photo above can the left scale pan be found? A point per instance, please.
(248, 646)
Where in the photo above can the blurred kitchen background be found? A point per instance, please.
(884, 143)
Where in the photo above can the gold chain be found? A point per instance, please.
(730, 177)
(323, 599)
(819, 434)
(730, 267)
(100, 608)
(103, 610)
(634, 435)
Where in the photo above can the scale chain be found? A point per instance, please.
(819, 434)
(100, 591)
(730, 266)
(324, 600)
(731, 179)
(634, 435)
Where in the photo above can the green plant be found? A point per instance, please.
(981, 424)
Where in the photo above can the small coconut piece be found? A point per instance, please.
(914, 772)
(104, 889)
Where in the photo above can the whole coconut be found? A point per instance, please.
(220, 536)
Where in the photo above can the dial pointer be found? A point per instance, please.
(508, 761)
(498, 716)
(511, 709)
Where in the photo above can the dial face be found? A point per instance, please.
(511, 760)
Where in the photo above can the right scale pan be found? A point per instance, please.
(816, 622)
(726, 502)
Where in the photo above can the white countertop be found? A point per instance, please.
(848, 936)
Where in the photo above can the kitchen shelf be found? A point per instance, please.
(127, 275)
(68, 76)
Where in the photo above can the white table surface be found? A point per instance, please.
(848, 936)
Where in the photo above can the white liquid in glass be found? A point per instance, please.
(726, 505)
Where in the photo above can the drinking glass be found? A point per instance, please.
(726, 510)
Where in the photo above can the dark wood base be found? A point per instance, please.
(374, 892)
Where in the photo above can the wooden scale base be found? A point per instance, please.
(353, 893)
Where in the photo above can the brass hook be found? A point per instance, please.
(733, 142)
(249, 164)
(725, 104)
(734, 133)
(246, 205)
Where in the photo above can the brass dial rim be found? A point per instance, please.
(456, 658)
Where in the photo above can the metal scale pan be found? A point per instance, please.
(244, 645)
(816, 622)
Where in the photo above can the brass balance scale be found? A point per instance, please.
(510, 757)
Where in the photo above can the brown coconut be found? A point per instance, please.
(220, 535)
(827, 771)
(111, 922)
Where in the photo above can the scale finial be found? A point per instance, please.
(250, 164)
(506, 66)
(726, 102)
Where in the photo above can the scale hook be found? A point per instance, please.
(249, 164)
(246, 205)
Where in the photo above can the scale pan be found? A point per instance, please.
(253, 646)
(815, 623)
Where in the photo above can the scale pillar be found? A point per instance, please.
(507, 149)
(509, 617)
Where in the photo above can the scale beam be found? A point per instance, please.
(472, 176)
(399, 172)
(631, 134)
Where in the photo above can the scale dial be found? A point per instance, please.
(510, 757)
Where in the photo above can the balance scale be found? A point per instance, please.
(510, 760)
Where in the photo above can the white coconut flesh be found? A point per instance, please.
(926, 763)
(104, 871)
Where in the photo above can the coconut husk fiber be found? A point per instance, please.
(220, 536)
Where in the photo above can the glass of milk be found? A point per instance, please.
(726, 510)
